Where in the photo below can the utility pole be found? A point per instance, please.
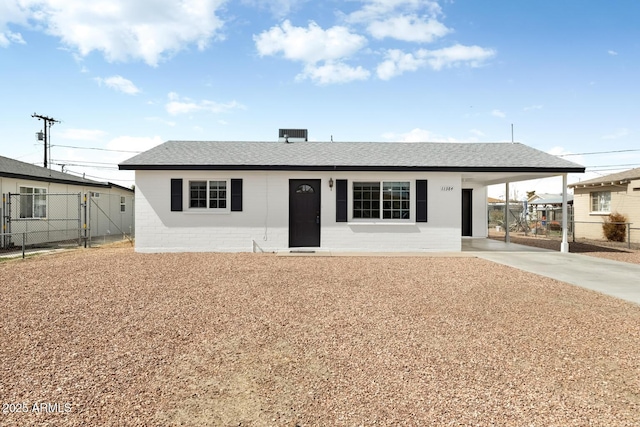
(48, 122)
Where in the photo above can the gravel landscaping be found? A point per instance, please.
(126, 339)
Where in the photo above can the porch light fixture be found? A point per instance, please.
(330, 182)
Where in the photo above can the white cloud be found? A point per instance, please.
(149, 30)
(14, 12)
(472, 56)
(619, 133)
(410, 28)
(376, 9)
(177, 105)
(119, 83)
(612, 52)
(333, 72)
(311, 44)
(9, 37)
(498, 113)
(134, 143)
(477, 132)
(82, 134)
(397, 62)
(279, 8)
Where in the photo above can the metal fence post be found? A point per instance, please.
(88, 202)
(84, 205)
(79, 219)
(628, 235)
(24, 238)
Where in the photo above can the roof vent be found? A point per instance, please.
(292, 135)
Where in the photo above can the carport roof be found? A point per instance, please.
(350, 156)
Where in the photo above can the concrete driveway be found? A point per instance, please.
(618, 279)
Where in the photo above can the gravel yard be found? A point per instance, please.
(128, 339)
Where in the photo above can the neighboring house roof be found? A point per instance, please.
(614, 178)
(11, 168)
(348, 156)
(550, 199)
(494, 200)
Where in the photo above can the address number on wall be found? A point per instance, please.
(446, 188)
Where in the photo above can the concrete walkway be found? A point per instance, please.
(614, 278)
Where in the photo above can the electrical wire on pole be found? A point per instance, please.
(48, 122)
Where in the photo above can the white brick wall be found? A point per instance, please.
(265, 216)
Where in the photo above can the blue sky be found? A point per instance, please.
(126, 76)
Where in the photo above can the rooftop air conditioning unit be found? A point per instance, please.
(292, 135)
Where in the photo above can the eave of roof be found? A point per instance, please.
(380, 168)
(619, 178)
(54, 180)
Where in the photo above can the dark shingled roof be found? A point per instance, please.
(627, 175)
(349, 156)
(11, 168)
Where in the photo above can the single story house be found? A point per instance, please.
(47, 205)
(328, 196)
(596, 198)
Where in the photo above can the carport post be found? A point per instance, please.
(564, 246)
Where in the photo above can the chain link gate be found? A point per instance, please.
(38, 219)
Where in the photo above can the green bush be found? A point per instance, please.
(615, 232)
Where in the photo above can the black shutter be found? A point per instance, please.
(236, 195)
(421, 200)
(176, 195)
(341, 200)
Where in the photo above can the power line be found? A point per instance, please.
(597, 152)
(98, 177)
(613, 166)
(98, 149)
(86, 166)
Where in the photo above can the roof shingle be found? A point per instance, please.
(221, 155)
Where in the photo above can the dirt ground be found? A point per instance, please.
(111, 337)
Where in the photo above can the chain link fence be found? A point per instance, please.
(547, 222)
(38, 219)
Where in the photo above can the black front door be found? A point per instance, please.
(467, 211)
(304, 213)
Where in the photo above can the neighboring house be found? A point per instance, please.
(595, 199)
(49, 205)
(328, 196)
(547, 207)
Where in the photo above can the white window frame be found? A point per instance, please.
(208, 208)
(381, 219)
(42, 192)
(603, 206)
(123, 204)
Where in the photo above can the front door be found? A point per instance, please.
(467, 211)
(304, 213)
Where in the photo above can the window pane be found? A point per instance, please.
(601, 201)
(398, 195)
(366, 200)
(197, 194)
(217, 194)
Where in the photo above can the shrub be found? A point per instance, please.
(615, 232)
